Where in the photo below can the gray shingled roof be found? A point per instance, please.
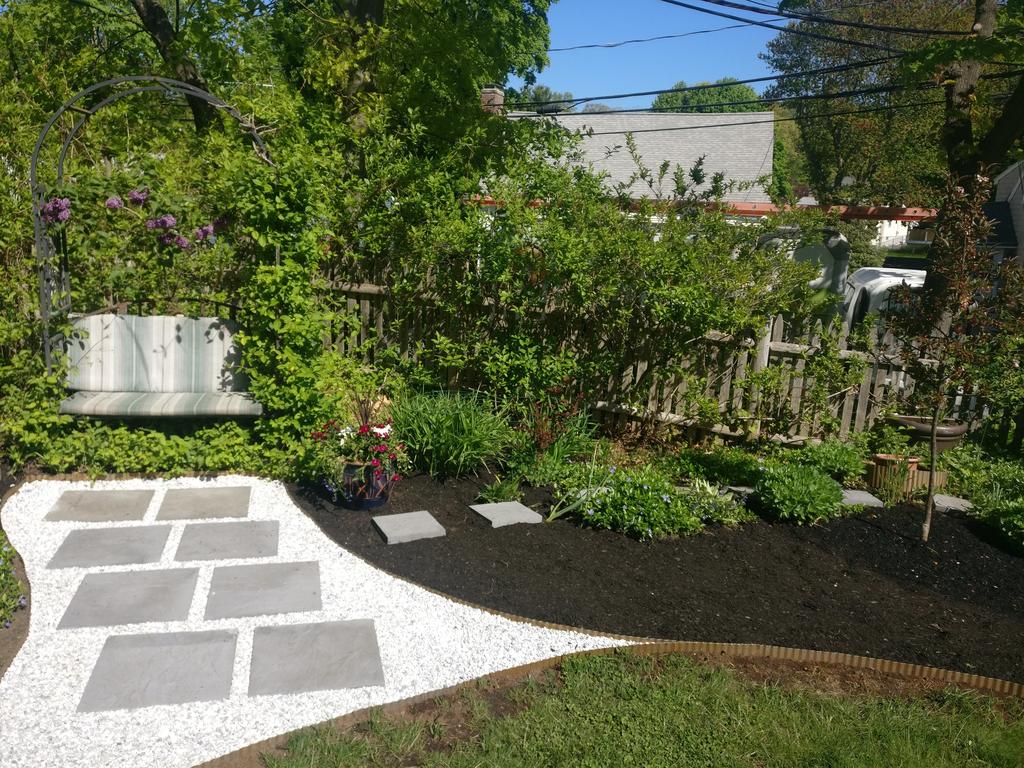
(741, 152)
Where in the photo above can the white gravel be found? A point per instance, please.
(427, 642)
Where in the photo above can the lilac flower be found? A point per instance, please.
(114, 203)
(138, 196)
(204, 232)
(57, 209)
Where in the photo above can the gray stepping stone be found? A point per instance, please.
(265, 589)
(853, 498)
(174, 668)
(228, 541)
(131, 597)
(743, 491)
(506, 513)
(408, 526)
(111, 546)
(202, 503)
(100, 506)
(315, 657)
(946, 503)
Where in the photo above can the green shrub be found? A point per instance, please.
(1002, 511)
(12, 597)
(574, 441)
(642, 503)
(842, 461)
(502, 489)
(450, 434)
(707, 502)
(722, 465)
(798, 493)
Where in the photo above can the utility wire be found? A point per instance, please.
(649, 39)
(790, 30)
(834, 21)
(701, 108)
(709, 86)
(775, 120)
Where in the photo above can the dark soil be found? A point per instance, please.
(863, 584)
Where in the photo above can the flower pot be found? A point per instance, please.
(362, 488)
(893, 472)
(919, 430)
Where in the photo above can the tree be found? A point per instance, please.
(533, 97)
(952, 329)
(699, 101)
(884, 149)
(596, 106)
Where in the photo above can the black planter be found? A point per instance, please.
(919, 430)
(361, 488)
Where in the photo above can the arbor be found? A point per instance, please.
(699, 101)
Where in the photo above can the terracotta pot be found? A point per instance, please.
(919, 430)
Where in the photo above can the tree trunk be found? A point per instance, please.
(962, 151)
(158, 26)
(932, 471)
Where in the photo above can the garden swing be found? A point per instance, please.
(132, 365)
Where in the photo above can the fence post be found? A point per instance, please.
(761, 353)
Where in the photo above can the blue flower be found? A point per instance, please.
(611, 470)
(666, 498)
(590, 512)
(22, 601)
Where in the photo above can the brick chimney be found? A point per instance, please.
(492, 99)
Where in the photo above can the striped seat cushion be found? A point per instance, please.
(163, 353)
(158, 404)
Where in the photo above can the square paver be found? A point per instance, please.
(228, 541)
(408, 526)
(131, 597)
(173, 668)
(946, 503)
(89, 547)
(854, 498)
(506, 513)
(100, 506)
(257, 590)
(202, 503)
(315, 657)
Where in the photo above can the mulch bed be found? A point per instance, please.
(864, 584)
(12, 638)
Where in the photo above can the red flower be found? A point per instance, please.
(395, 478)
(375, 463)
(392, 456)
(364, 429)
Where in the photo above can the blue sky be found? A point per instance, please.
(645, 66)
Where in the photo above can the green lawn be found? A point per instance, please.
(625, 710)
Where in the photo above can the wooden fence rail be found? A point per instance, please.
(731, 374)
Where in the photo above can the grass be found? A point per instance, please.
(671, 711)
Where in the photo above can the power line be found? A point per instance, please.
(774, 120)
(649, 39)
(700, 108)
(707, 86)
(790, 30)
(834, 21)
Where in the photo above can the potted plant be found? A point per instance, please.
(948, 432)
(359, 464)
(893, 465)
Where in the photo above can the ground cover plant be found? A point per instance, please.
(669, 711)
(12, 595)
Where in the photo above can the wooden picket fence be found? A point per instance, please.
(726, 372)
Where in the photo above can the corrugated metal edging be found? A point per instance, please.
(250, 756)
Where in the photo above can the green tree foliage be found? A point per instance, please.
(541, 98)
(703, 100)
(887, 156)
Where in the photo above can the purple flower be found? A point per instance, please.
(167, 238)
(182, 242)
(22, 601)
(114, 203)
(138, 196)
(167, 221)
(7, 625)
(57, 209)
(666, 498)
(204, 232)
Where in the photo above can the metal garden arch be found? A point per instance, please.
(52, 257)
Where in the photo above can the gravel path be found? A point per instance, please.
(426, 642)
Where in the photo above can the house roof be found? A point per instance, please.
(1002, 234)
(743, 152)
